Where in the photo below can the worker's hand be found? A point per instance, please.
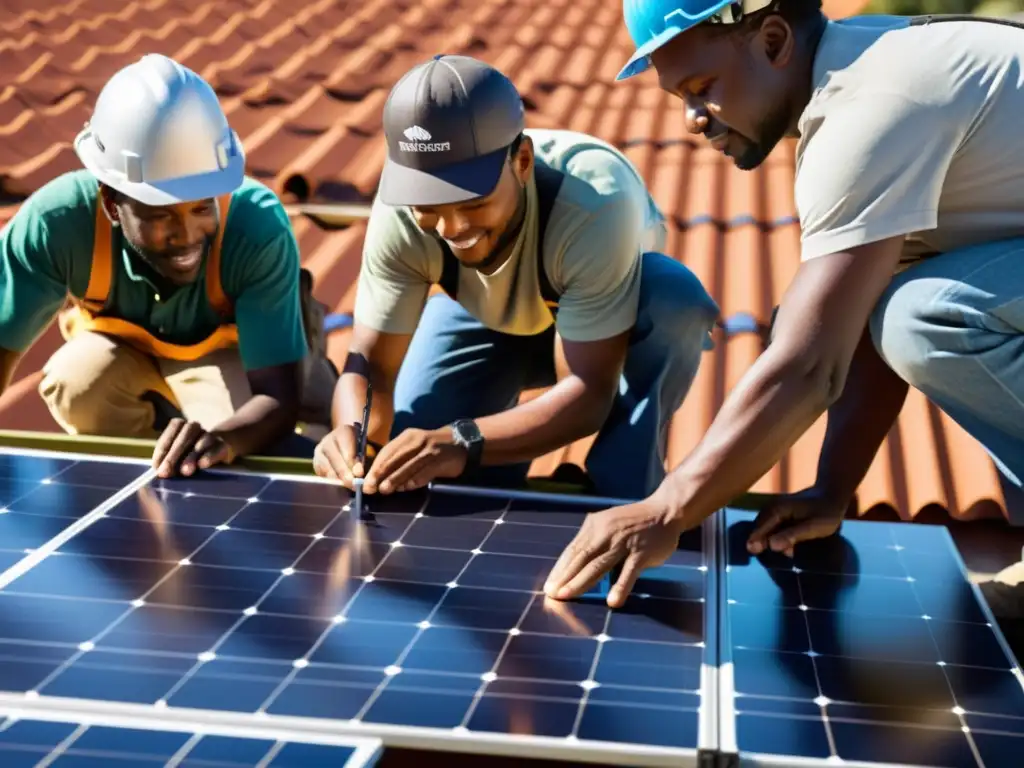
(415, 458)
(337, 456)
(185, 447)
(639, 535)
(791, 518)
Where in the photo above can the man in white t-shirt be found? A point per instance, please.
(910, 191)
(545, 245)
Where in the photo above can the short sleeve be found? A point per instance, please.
(33, 279)
(268, 308)
(873, 167)
(599, 273)
(395, 276)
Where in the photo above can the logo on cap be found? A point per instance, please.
(420, 141)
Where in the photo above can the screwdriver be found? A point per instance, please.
(363, 432)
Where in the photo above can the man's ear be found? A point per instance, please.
(777, 40)
(108, 199)
(523, 163)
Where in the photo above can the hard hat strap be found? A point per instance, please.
(736, 12)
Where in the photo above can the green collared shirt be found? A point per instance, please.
(46, 254)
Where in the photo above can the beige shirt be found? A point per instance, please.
(601, 221)
(913, 131)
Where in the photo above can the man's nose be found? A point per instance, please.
(188, 232)
(451, 225)
(697, 119)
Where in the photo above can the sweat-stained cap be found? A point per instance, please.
(448, 124)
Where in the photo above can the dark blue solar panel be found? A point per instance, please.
(871, 647)
(40, 496)
(31, 743)
(249, 594)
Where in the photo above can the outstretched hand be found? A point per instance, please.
(789, 519)
(414, 459)
(184, 447)
(638, 535)
(335, 457)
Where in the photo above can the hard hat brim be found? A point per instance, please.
(448, 185)
(640, 61)
(185, 189)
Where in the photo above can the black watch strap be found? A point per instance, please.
(466, 434)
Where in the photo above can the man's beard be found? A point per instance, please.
(771, 131)
(158, 260)
(508, 236)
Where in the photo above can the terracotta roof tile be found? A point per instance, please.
(304, 84)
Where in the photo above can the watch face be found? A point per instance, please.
(466, 430)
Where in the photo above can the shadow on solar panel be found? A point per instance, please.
(871, 647)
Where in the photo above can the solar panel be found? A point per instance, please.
(72, 743)
(872, 648)
(46, 499)
(257, 605)
(243, 598)
(40, 496)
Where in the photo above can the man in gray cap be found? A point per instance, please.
(544, 245)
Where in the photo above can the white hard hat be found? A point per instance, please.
(158, 134)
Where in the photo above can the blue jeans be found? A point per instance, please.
(457, 368)
(953, 327)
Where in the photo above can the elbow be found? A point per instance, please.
(819, 378)
(594, 409)
(291, 411)
(592, 423)
(287, 401)
(285, 416)
(823, 382)
(829, 383)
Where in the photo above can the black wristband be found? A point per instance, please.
(467, 435)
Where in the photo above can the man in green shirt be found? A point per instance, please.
(186, 319)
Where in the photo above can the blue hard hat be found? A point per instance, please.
(653, 23)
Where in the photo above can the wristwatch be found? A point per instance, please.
(467, 435)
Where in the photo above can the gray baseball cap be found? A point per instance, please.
(448, 124)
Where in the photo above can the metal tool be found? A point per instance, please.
(364, 430)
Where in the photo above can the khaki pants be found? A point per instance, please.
(96, 385)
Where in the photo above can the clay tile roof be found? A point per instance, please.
(303, 83)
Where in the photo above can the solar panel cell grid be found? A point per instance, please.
(40, 497)
(870, 647)
(40, 744)
(260, 599)
(260, 595)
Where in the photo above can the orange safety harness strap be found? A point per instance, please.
(214, 289)
(100, 271)
(83, 317)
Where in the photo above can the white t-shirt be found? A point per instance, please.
(916, 131)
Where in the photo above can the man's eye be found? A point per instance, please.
(700, 90)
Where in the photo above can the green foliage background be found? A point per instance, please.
(995, 8)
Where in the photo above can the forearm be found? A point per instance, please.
(8, 362)
(567, 412)
(350, 401)
(258, 423)
(767, 412)
(859, 421)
